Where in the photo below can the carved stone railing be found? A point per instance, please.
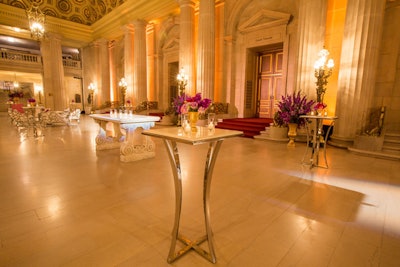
(70, 63)
(23, 60)
(15, 56)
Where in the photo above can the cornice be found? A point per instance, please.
(111, 25)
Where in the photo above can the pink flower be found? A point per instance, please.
(319, 105)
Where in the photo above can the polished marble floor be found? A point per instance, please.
(64, 204)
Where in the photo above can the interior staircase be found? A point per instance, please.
(391, 144)
(249, 126)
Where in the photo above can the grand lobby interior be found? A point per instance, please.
(64, 202)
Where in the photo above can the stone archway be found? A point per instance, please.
(260, 29)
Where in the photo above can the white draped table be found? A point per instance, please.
(125, 133)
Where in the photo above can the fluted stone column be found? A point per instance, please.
(228, 96)
(53, 72)
(112, 71)
(186, 42)
(206, 49)
(358, 63)
(151, 67)
(128, 60)
(312, 24)
(139, 63)
(103, 72)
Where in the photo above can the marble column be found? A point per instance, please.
(358, 63)
(312, 24)
(151, 67)
(112, 71)
(206, 49)
(53, 72)
(228, 92)
(128, 61)
(186, 42)
(139, 63)
(103, 72)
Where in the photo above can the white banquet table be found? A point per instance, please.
(171, 136)
(125, 134)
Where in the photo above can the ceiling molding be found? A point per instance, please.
(79, 35)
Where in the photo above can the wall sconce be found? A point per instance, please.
(323, 69)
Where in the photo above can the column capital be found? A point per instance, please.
(139, 23)
(184, 3)
(128, 28)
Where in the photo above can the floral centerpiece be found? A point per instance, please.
(319, 107)
(185, 103)
(291, 107)
(32, 101)
(191, 105)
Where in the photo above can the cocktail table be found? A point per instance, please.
(171, 136)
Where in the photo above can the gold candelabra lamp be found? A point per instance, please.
(323, 70)
(91, 89)
(123, 85)
(182, 81)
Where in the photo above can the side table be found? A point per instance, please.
(315, 137)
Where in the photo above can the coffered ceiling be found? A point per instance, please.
(80, 22)
(84, 12)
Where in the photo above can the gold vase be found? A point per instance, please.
(193, 118)
(292, 133)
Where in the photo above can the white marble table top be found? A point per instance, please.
(202, 135)
(125, 119)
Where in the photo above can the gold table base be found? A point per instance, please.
(173, 155)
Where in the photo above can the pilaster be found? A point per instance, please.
(206, 49)
(186, 42)
(139, 63)
(128, 60)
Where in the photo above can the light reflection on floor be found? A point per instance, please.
(64, 203)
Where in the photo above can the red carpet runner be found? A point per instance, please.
(249, 126)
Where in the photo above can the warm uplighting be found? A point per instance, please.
(36, 20)
(182, 81)
(323, 70)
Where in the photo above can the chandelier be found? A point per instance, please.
(36, 20)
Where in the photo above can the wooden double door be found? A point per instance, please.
(269, 82)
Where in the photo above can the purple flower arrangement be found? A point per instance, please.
(291, 107)
(185, 103)
(17, 94)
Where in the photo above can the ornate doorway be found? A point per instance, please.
(269, 81)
